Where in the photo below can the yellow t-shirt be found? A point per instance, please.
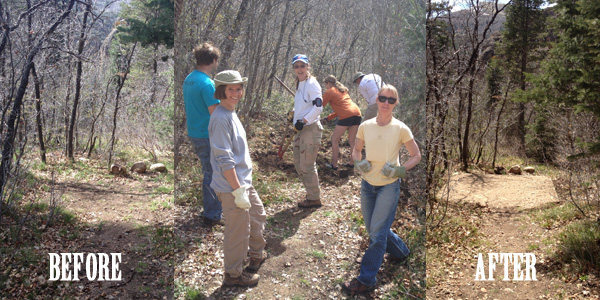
(382, 144)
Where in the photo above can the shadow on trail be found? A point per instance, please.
(284, 224)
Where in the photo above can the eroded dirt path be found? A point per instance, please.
(311, 250)
(131, 216)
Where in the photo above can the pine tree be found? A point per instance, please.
(570, 72)
(521, 36)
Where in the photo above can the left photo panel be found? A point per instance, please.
(86, 130)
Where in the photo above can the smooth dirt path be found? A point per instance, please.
(500, 207)
(503, 191)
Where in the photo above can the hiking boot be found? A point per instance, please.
(246, 279)
(208, 222)
(356, 287)
(255, 263)
(309, 203)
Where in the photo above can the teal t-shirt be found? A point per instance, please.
(198, 95)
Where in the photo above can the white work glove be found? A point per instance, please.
(241, 198)
(392, 171)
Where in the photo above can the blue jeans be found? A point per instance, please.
(378, 205)
(212, 206)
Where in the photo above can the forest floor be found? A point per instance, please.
(98, 213)
(312, 251)
(501, 213)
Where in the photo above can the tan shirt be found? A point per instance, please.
(382, 144)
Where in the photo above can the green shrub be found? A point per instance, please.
(580, 243)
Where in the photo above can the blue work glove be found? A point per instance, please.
(392, 171)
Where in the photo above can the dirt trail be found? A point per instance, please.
(503, 204)
(503, 191)
(117, 215)
(311, 251)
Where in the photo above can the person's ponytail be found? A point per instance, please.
(338, 85)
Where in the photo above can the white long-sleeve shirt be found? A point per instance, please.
(305, 106)
(369, 87)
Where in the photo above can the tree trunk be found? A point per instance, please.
(498, 125)
(15, 114)
(277, 46)
(38, 114)
(229, 42)
(121, 82)
(82, 38)
(211, 21)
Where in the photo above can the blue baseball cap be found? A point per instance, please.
(300, 57)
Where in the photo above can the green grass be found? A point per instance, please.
(357, 220)
(156, 204)
(533, 247)
(187, 292)
(579, 243)
(556, 215)
(331, 214)
(163, 190)
(269, 192)
(316, 254)
(305, 281)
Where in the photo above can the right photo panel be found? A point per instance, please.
(512, 149)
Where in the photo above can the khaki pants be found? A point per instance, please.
(371, 112)
(243, 231)
(306, 146)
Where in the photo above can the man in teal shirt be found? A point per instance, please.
(198, 96)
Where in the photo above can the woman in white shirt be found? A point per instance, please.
(308, 105)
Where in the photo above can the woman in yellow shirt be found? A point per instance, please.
(382, 137)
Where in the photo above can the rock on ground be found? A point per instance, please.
(139, 167)
(515, 170)
(158, 168)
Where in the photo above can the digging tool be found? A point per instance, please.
(285, 86)
(285, 142)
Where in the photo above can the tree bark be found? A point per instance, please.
(15, 114)
(121, 82)
(38, 114)
(82, 38)
(277, 46)
(229, 42)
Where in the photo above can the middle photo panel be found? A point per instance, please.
(299, 155)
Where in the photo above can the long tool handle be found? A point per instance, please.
(285, 86)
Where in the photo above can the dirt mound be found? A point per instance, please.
(502, 191)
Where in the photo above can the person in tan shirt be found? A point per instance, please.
(381, 172)
(348, 114)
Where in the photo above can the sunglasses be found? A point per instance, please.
(390, 100)
(300, 66)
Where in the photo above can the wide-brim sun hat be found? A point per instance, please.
(300, 57)
(357, 75)
(229, 77)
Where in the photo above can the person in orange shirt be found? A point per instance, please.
(348, 114)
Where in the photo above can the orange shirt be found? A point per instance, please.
(343, 106)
